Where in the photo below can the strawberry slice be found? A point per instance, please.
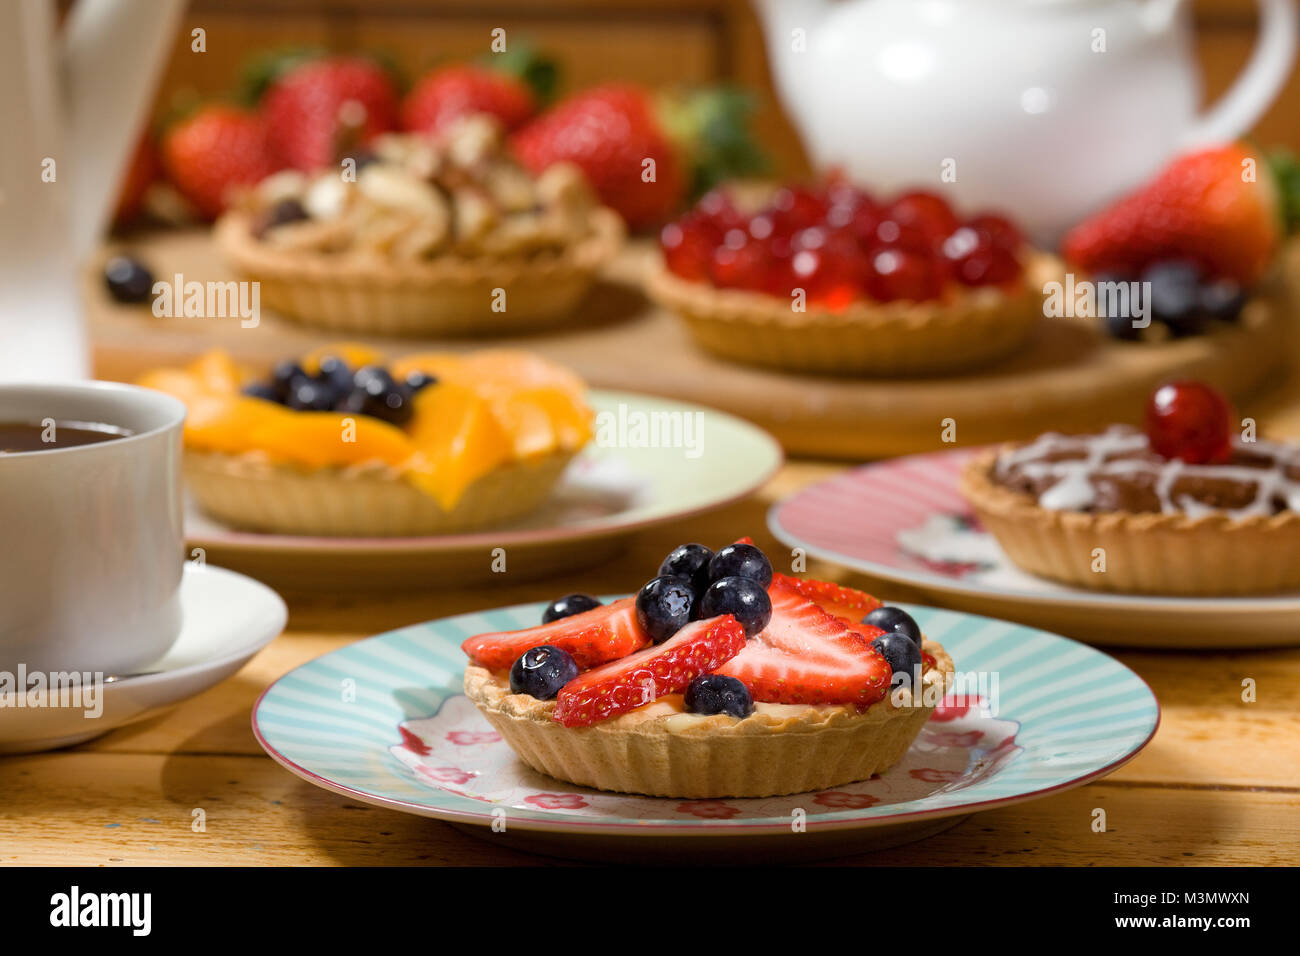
(848, 604)
(623, 685)
(592, 637)
(806, 655)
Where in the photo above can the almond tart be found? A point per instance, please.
(423, 236)
(827, 281)
(1184, 509)
(342, 444)
(711, 685)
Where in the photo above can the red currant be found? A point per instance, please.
(899, 273)
(894, 234)
(1191, 421)
(827, 266)
(975, 258)
(717, 207)
(926, 211)
(741, 262)
(794, 208)
(688, 246)
(1000, 229)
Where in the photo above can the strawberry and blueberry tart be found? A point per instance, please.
(1185, 506)
(413, 233)
(342, 442)
(1201, 237)
(831, 279)
(719, 678)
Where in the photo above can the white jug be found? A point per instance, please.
(72, 106)
(1045, 109)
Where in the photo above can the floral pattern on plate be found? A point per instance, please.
(456, 750)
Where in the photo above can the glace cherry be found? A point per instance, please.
(1190, 421)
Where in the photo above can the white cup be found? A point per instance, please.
(91, 542)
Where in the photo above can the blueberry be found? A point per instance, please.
(262, 390)
(1175, 292)
(1223, 299)
(418, 380)
(307, 395)
(334, 373)
(743, 597)
(664, 606)
(285, 376)
(741, 560)
(374, 393)
(894, 619)
(1120, 326)
(1116, 320)
(541, 671)
(689, 562)
(903, 656)
(568, 606)
(128, 280)
(283, 212)
(718, 694)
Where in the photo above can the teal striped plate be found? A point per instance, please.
(383, 721)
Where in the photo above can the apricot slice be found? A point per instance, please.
(458, 439)
(567, 420)
(317, 439)
(492, 371)
(445, 366)
(216, 371)
(225, 423)
(176, 382)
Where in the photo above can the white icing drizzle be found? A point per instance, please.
(1073, 490)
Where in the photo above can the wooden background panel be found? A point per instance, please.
(657, 42)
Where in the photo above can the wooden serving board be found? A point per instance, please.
(1067, 378)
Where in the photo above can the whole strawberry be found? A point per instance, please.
(318, 108)
(613, 132)
(450, 92)
(214, 149)
(1218, 208)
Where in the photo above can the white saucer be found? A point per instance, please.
(227, 618)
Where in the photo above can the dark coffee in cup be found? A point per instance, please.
(19, 437)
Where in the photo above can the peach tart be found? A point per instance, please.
(719, 678)
(340, 442)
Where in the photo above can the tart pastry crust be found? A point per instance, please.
(1209, 553)
(662, 752)
(249, 491)
(447, 294)
(878, 338)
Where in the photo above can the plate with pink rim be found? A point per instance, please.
(1031, 714)
(904, 522)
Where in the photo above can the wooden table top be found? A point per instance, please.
(1219, 784)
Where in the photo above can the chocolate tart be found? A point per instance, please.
(1132, 522)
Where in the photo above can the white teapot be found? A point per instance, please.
(1044, 109)
(73, 101)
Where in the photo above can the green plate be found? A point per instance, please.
(653, 460)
